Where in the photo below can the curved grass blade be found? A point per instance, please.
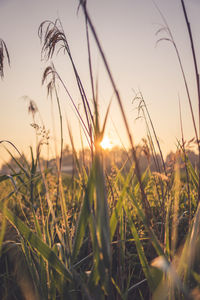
(19, 164)
(36, 243)
(140, 251)
(102, 217)
(6, 177)
(83, 218)
(193, 174)
(154, 240)
(117, 211)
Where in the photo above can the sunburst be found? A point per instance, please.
(106, 143)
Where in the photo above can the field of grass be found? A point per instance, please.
(117, 234)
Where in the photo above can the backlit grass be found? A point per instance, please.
(109, 230)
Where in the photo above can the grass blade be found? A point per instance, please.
(36, 243)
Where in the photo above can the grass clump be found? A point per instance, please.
(112, 232)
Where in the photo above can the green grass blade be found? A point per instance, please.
(3, 225)
(19, 165)
(101, 211)
(193, 174)
(140, 251)
(154, 240)
(117, 211)
(6, 177)
(36, 243)
(83, 218)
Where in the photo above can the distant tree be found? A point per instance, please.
(172, 157)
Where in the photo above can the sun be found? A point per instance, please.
(106, 143)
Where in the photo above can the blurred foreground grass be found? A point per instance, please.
(118, 233)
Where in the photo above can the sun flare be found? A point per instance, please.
(106, 143)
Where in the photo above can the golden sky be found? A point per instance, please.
(127, 31)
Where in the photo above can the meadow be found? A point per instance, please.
(121, 232)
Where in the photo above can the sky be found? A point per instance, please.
(127, 31)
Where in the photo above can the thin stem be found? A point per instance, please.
(144, 197)
(89, 60)
(61, 130)
(185, 162)
(74, 105)
(181, 67)
(197, 80)
(154, 132)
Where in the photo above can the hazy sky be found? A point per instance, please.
(127, 31)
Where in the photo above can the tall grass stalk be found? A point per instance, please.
(99, 235)
(170, 38)
(144, 198)
(197, 78)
